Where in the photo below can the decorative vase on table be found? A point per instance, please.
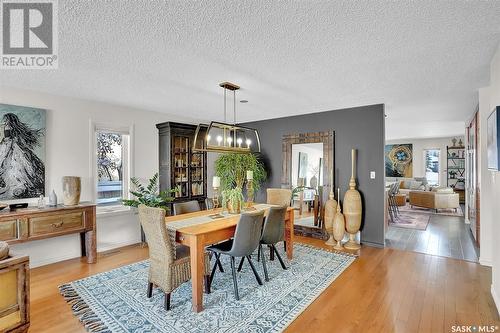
(4, 250)
(52, 199)
(338, 226)
(454, 142)
(72, 187)
(352, 208)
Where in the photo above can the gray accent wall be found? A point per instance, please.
(362, 128)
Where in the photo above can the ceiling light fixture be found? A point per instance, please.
(231, 138)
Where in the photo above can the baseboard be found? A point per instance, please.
(53, 260)
(112, 246)
(485, 262)
(377, 245)
(496, 298)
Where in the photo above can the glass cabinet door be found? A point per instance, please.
(198, 173)
(181, 166)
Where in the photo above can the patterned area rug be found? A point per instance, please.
(446, 212)
(116, 301)
(410, 220)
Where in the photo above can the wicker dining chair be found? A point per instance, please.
(279, 196)
(186, 207)
(169, 265)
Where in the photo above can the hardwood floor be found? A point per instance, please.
(446, 236)
(384, 290)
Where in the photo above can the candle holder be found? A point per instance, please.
(250, 194)
(215, 198)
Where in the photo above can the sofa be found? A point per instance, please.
(439, 198)
(410, 184)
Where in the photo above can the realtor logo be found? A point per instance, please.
(29, 34)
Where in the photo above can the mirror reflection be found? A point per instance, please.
(307, 182)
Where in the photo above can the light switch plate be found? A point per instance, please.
(372, 174)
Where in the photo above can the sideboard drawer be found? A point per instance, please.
(8, 230)
(55, 223)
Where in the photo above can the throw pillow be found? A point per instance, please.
(415, 185)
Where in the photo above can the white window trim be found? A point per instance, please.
(128, 170)
(440, 176)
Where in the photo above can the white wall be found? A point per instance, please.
(494, 178)
(68, 153)
(419, 145)
(485, 182)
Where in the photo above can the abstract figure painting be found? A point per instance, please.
(22, 152)
(399, 160)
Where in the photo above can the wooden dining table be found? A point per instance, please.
(208, 231)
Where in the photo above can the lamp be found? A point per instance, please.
(230, 138)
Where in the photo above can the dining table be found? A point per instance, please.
(200, 229)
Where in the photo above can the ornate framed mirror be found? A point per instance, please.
(308, 164)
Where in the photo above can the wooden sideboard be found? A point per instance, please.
(24, 225)
(14, 294)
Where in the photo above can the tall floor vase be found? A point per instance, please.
(338, 226)
(352, 208)
(330, 207)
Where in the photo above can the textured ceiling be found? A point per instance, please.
(423, 59)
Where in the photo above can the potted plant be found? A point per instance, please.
(150, 195)
(232, 169)
(233, 200)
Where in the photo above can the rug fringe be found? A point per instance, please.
(82, 311)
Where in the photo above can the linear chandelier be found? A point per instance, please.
(222, 137)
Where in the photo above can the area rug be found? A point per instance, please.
(445, 212)
(116, 301)
(410, 220)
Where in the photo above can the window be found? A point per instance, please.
(432, 167)
(112, 166)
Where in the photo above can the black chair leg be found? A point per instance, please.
(264, 265)
(150, 290)
(167, 301)
(207, 284)
(284, 245)
(259, 249)
(235, 282)
(279, 257)
(240, 266)
(271, 253)
(257, 277)
(215, 268)
(217, 261)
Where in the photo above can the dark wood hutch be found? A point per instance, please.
(181, 168)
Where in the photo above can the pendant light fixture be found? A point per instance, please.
(224, 137)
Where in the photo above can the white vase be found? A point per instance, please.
(52, 199)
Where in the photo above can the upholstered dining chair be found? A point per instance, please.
(169, 265)
(186, 207)
(245, 242)
(272, 233)
(280, 197)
